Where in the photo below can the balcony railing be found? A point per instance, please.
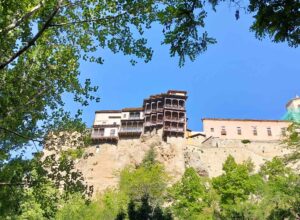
(174, 129)
(134, 117)
(167, 118)
(159, 122)
(102, 136)
(148, 111)
(174, 106)
(148, 123)
(133, 129)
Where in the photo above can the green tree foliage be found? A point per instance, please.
(293, 138)
(42, 42)
(38, 184)
(149, 158)
(273, 193)
(282, 190)
(293, 142)
(78, 208)
(139, 196)
(145, 211)
(150, 180)
(235, 187)
(278, 19)
(189, 196)
(30, 208)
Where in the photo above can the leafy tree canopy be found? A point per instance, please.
(190, 196)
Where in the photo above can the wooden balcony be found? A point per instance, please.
(147, 111)
(149, 123)
(177, 107)
(131, 130)
(159, 122)
(100, 137)
(168, 118)
(174, 129)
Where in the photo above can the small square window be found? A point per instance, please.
(112, 132)
(223, 130)
(254, 131)
(239, 131)
(283, 131)
(212, 129)
(269, 131)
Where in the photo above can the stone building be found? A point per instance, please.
(163, 114)
(241, 129)
(166, 112)
(253, 129)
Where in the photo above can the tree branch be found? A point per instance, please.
(87, 21)
(13, 184)
(33, 40)
(17, 22)
(20, 135)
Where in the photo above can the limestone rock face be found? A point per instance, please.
(101, 164)
(101, 168)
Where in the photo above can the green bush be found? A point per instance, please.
(246, 141)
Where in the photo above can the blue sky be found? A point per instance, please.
(239, 77)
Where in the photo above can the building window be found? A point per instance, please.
(283, 131)
(254, 131)
(99, 131)
(212, 129)
(114, 117)
(223, 130)
(124, 115)
(112, 132)
(134, 115)
(269, 131)
(239, 130)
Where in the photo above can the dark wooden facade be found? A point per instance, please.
(166, 111)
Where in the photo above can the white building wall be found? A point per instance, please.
(107, 131)
(125, 115)
(107, 118)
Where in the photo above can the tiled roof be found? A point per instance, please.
(236, 119)
(132, 109)
(177, 91)
(109, 111)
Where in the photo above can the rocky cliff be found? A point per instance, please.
(100, 163)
